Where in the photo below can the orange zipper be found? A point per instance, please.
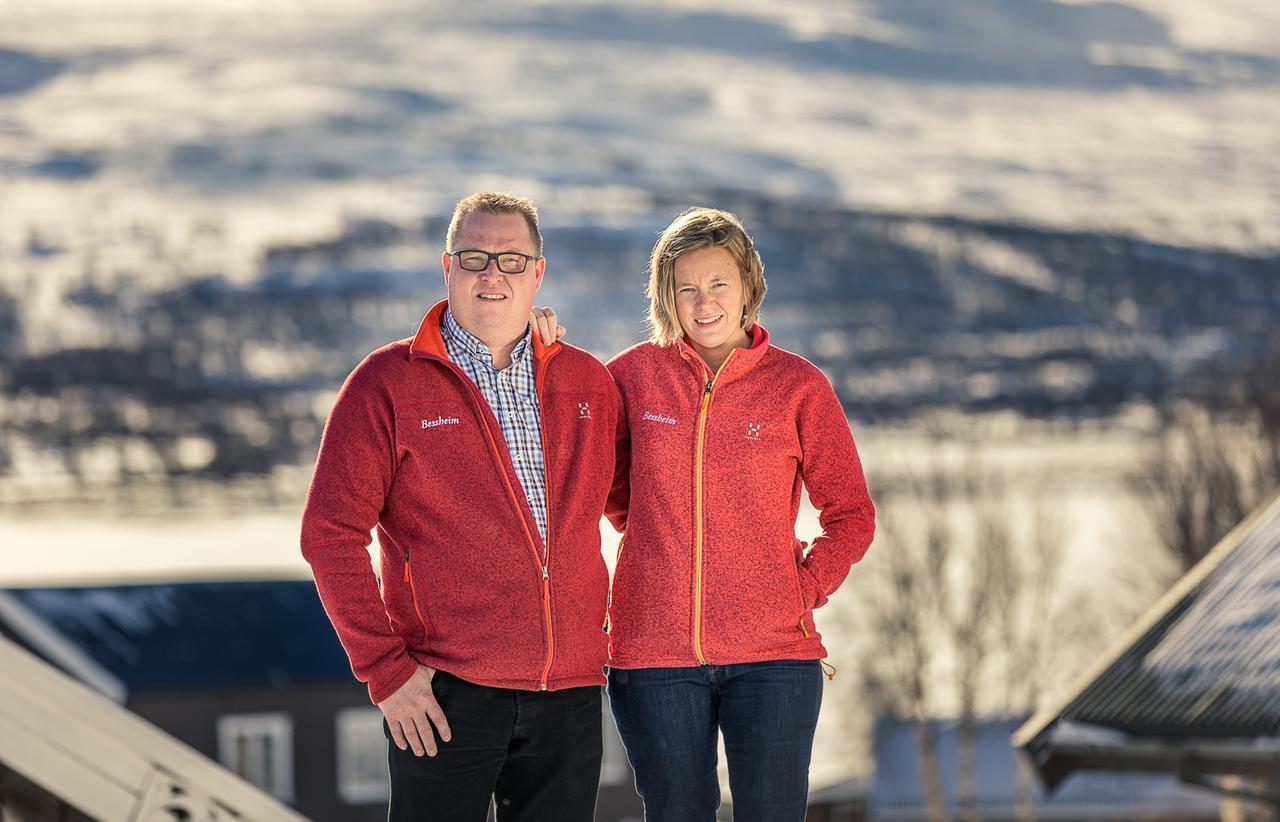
(546, 560)
(697, 510)
(797, 556)
(413, 594)
(515, 503)
(539, 379)
(551, 636)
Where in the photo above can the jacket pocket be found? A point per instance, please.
(797, 550)
(413, 597)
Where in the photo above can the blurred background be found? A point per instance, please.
(1035, 244)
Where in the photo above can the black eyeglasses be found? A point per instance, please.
(509, 262)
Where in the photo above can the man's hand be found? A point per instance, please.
(408, 711)
(544, 325)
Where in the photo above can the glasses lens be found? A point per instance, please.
(512, 263)
(473, 260)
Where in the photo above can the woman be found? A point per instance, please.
(711, 615)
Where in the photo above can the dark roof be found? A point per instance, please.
(196, 635)
(897, 790)
(1205, 661)
(1209, 665)
(1195, 685)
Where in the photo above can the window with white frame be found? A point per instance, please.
(614, 769)
(259, 747)
(362, 757)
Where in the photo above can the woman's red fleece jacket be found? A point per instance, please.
(412, 448)
(710, 570)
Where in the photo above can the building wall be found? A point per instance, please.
(193, 718)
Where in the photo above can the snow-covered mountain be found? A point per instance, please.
(208, 213)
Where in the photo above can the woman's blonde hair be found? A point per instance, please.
(692, 229)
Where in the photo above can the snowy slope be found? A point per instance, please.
(208, 213)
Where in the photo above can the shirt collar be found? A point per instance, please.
(473, 347)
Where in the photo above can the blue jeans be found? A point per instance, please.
(668, 719)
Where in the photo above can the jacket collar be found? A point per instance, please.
(429, 343)
(740, 361)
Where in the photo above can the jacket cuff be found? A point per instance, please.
(810, 589)
(389, 678)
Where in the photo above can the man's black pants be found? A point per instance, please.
(535, 754)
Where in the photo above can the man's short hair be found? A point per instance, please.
(495, 202)
(692, 229)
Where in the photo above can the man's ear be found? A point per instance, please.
(539, 269)
(446, 263)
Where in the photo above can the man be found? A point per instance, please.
(483, 458)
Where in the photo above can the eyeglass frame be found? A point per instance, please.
(492, 257)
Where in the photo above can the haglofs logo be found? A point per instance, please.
(753, 431)
(662, 418)
(584, 410)
(441, 421)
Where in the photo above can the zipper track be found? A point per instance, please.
(539, 378)
(515, 502)
(413, 594)
(698, 507)
(546, 559)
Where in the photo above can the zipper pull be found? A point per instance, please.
(406, 566)
(708, 391)
(545, 573)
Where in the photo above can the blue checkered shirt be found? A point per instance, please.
(513, 396)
